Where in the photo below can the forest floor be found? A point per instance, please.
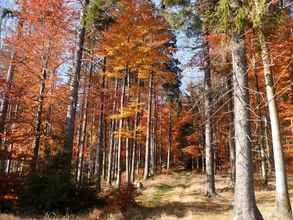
(181, 195)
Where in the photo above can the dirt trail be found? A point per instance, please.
(181, 195)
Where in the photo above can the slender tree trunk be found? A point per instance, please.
(100, 133)
(5, 100)
(245, 204)
(135, 141)
(267, 145)
(119, 148)
(112, 139)
(149, 129)
(73, 96)
(160, 142)
(211, 189)
(282, 197)
(153, 135)
(261, 132)
(38, 117)
(83, 130)
(169, 140)
(232, 153)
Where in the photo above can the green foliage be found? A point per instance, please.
(265, 16)
(176, 2)
(226, 19)
(53, 192)
(98, 14)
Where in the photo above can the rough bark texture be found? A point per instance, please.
(73, 97)
(282, 197)
(245, 205)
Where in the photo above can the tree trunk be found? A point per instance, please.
(5, 100)
(119, 148)
(112, 139)
(232, 153)
(100, 134)
(83, 130)
(73, 94)
(169, 140)
(209, 151)
(38, 117)
(282, 197)
(149, 129)
(245, 204)
(261, 132)
(135, 141)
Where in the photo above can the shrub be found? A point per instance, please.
(51, 191)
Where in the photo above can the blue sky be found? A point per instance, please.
(6, 3)
(184, 54)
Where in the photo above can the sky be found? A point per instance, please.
(6, 3)
(183, 54)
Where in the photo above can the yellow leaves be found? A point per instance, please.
(143, 74)
(128, 111)
(192, 150)
(118, 75)
(130, 134)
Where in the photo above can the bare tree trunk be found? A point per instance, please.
(282, 197)
(245, 204)
(149, 129)
(135, 141)
(160, 142)
(83, 130)
(112, 140)
(119, 148)
(100, 134)
(38, 117)
(261, 132)
(169, 140)
(153, 135)
(232, 153)
(73, 97)
(5, 100)
(211, 189)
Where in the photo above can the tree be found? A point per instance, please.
(231, 15)
(74, 86)
(283, 205)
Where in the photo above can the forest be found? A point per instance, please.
(146, 109)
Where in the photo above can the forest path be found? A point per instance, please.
(181, 195)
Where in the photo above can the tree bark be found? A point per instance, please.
(73, 94)
(245, 204)
(209, 150)
(100, 134)
(149, 129)
(261, 132)
(169, 140)
(119, 148)
(112, 140)
(282, 197)
(38, 117)
(232, 153)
